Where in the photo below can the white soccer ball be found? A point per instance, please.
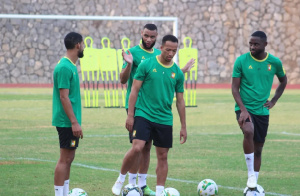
(77, 192)
(131, 190)
(170, 192)
(207, 187)
(258, 191)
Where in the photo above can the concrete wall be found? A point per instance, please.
(220, 29)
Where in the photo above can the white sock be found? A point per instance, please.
(122, 178)
(132, 178)
(256, 174)
(142, 180)
(159, 189)
(66, 187)
(250, 163)
(59, 190)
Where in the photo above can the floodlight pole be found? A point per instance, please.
(116, 18)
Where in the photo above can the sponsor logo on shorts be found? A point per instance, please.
(73, 143)
(134, 133)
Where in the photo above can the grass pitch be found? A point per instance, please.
(29, 146)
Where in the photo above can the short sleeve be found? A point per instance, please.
(64, 77)
(141, 71)
(179, 83)
(237, 69)
(280, 71)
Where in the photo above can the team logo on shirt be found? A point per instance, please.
(173, 75)
(143, 57)
(250, 67)
(269, 67)
(74, 73)
(134, 133)
(73, 143)
(154, 70)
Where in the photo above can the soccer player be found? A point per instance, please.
(66, 110)
(155, 82)
(252, 81)
(133, 58)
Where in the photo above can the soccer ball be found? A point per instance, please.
(258, 191)
(207, 187)
(170, 192)
(77, 192)
(131, 190)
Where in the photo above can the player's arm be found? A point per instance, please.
(125, 73)
(136, 85)
(181, 111)
(278, 92)
(235, 86)
(66, 103)
(188, 66)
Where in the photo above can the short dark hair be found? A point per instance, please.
(72, 39)
(171, 38)
(260, 34)
(151, 27)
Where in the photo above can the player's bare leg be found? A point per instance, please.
(143, 170)
(62, 169)
(248, 145)
(63, 166)
(162, 167)
(145, 158)
(133, 171)
(258, 147)
(131, 156)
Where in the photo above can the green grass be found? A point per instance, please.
(29, 146)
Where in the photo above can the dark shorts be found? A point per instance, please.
(260, 123)
(143, 129)
(66, 138)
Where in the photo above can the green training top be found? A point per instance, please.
(139, 55)
(65, 76)
(256, 80)
(157, 91)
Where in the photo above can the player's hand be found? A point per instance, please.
(127, 57)
(77, 131)
(269, 104)
(183, 135)
(129, 123)
(188, 66)
(243, 117)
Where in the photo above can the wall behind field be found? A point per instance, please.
(220, 29)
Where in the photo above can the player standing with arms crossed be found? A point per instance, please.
(252, 81)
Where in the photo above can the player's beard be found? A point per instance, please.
(145, 45)
(80, 54)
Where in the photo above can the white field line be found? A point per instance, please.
(149, 175)
(126, 135)
(294, 134)
(56, 137)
